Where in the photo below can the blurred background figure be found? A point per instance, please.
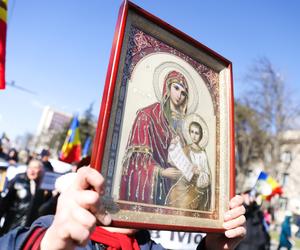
(12, 159)
(267, 218)
(61, 184)
(285, 240)
(17, 164)
(13, 156)
(20, 204)
(5, 144)
(297, 221)
(45, 154)
(23, 157)
(3, 155)
(257, 237)
(85, 161)
(3, 167)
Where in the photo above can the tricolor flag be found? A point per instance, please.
(71, 150)
(3, 25)
(267, 186)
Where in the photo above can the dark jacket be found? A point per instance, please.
(19, 207)
(257, 237)
(47, 166)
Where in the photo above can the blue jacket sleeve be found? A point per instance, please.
(15, 239)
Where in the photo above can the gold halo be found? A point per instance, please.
(186, 125)
(158, 83)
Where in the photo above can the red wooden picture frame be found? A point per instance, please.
(165, 133)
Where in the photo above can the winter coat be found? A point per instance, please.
(256, 238)
(286, 233)
(19, 207)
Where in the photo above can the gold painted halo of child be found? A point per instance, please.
(186, 129)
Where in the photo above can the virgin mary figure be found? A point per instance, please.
(147, 176)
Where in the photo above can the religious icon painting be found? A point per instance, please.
(165, 140)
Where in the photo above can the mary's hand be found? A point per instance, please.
(175, 140)
(171, 173)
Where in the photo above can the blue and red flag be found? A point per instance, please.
(71, 150)
(267, 186)
(3, 28)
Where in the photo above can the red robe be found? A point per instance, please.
(146, 155)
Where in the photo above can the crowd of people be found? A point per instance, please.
(21, 197)
(78, 213)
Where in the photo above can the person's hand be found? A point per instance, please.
(234, 224)
(171, 173)
(78, 211)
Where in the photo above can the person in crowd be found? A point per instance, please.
(24, 156)
(12, 159)
(297, 222)
(62, 183)
(3, 155)
(13, 156)
(3, 169)
(23, 162)
(22, 199)
(45, 154)
(257, 238)
(80, 212)
(286, 233)
(267, 218)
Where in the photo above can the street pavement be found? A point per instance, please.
(274, 245)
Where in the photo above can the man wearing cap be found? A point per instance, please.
(45, 154)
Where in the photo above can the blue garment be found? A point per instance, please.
(286, 233)
(17, 238)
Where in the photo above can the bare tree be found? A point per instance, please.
(250, 140)
(87, 124)
(269, 112)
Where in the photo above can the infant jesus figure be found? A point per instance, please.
(193, 188)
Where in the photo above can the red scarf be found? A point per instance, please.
(114, 241)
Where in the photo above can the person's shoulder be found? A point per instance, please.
(44, 221)
(48, 166)
(150, 112)
(145, 242)
(149, 109)
(22, 177)
(15, 239)
(19, 178)
(151, 245)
